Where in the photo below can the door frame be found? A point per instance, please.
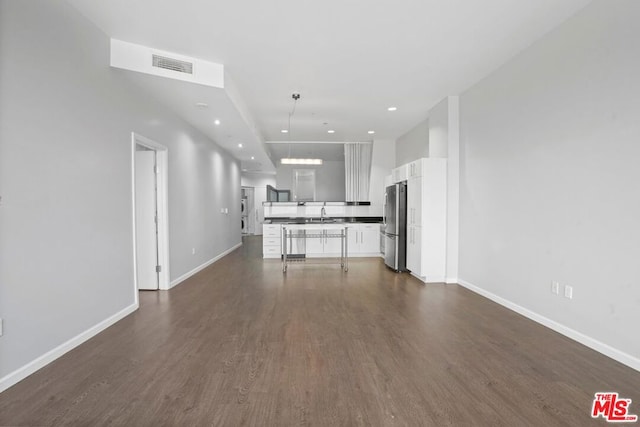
(162, 208)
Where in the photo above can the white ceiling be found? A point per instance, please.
(349, 60)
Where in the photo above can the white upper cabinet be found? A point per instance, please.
(415, 168)
(400, 173)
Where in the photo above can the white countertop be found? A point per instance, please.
(314, 211)
(318, 226)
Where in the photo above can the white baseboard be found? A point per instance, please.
(39, 363)
(592, 343)
(417, 277)
(188, 274)
(429, 279)
(451, 280)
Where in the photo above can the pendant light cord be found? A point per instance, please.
(295, 97)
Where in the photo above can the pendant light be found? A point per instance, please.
(295, 161)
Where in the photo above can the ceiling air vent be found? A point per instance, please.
(172, 64)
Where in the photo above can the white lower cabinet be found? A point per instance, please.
(271, 241)
(315, 246)
(353, 238)
(364, 240)
(414, 202)
(414, 250)
(324, 246)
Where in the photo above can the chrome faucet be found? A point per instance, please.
(323, 212)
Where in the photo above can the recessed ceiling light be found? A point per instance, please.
(239, 145)
(284, 131)
(253, 158)
(216, 122)
(392, 108)
(202, 105)
(244, 170)
(371, 132)
(331, 131)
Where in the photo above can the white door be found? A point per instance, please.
(146, 229)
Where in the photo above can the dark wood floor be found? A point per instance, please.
(241, 344)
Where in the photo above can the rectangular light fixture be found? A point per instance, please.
(290, 161)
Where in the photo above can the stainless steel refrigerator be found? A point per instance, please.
(395, 226)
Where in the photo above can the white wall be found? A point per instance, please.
(439, 129)
(414, 144)
(550, 178)
(383, 159)
(330, 184)
(66, 255)
(249, 179)
(444, 141)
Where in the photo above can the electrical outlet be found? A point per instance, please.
(568, 291)
(193, 251)
(555, 288)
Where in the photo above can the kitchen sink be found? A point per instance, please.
(320, 220)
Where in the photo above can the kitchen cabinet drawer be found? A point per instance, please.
(271, 230)
(270, 241)
(271, 251)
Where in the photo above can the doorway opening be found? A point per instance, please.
(150, 214)
(247, 210)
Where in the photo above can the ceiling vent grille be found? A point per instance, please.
(172, 64)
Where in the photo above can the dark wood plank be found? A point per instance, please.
(242, 344)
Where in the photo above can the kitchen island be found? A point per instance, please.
(361, 219)
(363, 239)
(322, 233)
